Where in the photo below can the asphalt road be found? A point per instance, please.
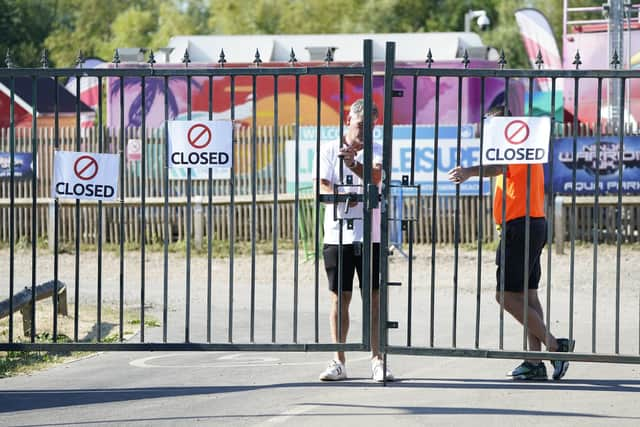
(250, 388)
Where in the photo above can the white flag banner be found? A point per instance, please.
(201, 144)
(516, 140)
(537, 37)
(89, 176)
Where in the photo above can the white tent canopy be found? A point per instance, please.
(313, 47)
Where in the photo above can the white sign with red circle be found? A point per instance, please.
(516, 140)
(90, 176)
(200, 144)
(134, 150)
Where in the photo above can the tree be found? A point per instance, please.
(99, 28)
(83, 25)
(24, 24)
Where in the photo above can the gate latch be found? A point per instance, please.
(373, 196)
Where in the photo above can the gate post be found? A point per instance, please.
(390, 52)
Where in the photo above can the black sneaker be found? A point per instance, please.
(560, 367)
(529, 371)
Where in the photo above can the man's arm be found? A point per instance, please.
(325, 186)
(459, 174)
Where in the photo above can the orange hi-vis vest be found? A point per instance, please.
(517, 193)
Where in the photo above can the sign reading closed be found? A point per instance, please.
(516, 140)
(200, 145)
(89, 176)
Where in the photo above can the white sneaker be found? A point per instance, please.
(377, 371)
(334, 372)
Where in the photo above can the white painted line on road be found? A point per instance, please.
(244, 357)
(252, 362)
(287, 415)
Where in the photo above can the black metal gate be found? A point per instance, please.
(474, 325)
(245, 295)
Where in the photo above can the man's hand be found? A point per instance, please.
(458, 175)
(348, 154)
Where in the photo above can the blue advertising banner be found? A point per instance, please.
(587, 165)
(23, 166)
(402, 156)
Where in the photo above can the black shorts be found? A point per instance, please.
(351, 262)
(514, 254)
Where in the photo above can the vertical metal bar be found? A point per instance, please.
(167, 236)
(596, 224)
(143, 195)
(573, 207)
(296, 230)
(503, 224)
(276, 144)
(76, 301)
(12, 202)
(316, 221)
(480, 214)
(56, 207)
(122, 207)
(434, 212)
(340, 220)
(99, 231)
(527, 239)
(210, 229)
(232, 209)
(387, 141)
(187, 311)
(550, 207)
(623, 82)
(367, 308)
(456, 233)
(414, 102)
(254, 213)
(34, 205)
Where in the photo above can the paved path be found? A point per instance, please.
(250, 389)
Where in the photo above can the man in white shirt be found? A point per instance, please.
(343, 159)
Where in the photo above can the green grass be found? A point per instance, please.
(149, 322)
(24, 362)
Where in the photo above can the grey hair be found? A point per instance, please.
(357, 109)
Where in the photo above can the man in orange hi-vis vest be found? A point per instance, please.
(515, 227)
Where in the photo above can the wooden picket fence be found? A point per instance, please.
(268, 188)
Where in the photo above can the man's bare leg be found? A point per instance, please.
(333, 320)
(537, 331)
(375, 324)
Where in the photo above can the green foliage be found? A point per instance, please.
(24, 25)
(99, 27)
(148, 322)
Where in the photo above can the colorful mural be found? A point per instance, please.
(219, 89)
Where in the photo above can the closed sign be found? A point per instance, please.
(516, 140)
(200, 145)
(89, 176)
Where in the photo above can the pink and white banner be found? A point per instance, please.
(537, 36)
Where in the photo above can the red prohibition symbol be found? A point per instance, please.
(199, 136)
(516, 132)
(85, 167)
